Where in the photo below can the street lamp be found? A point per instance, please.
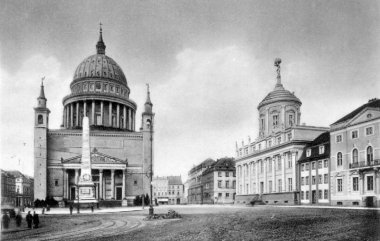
(151, 209)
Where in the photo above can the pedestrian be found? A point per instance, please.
(36, 220)
(71, 209)
(92, 208)
(18, 219)
(43, 210)
(29, 219)
(47, 208)
(5, 220)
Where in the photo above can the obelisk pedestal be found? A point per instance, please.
(86, 187)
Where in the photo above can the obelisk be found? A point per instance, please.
(85, 185)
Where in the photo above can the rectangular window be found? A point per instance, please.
(307, 195)
(302, 181)
(307, 181)
(227, 184)
(326, 194)
(227, 195)
(219, 174)
(325, 163)
(369, 131)
(325, 178)
(233, 184)
(313, 180)
(308, 152)
(275, 120)
(307, 166)
(320, 194)
(291, 120)
(320, 179)
(302, 195)
(219, 184)
(369, 183)
(339, 138)
(219, 195)
(319, 164)
(302, 167)
(227, 174)
(313, 166)
(354, 134)
(355, 184)
(340, 185)
(290, 183)
(234, 174)
(321, 149)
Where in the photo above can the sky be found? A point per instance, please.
(208, 63)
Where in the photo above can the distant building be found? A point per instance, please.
(175, 190)
(195, 189)
(160, 190)
(24, 188)
(355, 157)
(168, 190)
(219, 182)
(8, 189)
(315, 172)
(266, 168)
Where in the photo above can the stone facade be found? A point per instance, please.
(121, 157)
(160, 190)
(355, 157)
(267, 167)
(194, 182)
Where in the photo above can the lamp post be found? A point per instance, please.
(151, 210)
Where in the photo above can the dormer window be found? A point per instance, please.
(321, 149)
(308, 152)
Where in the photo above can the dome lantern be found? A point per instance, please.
(100, 46)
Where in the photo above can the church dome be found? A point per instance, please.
(99, 66)
(279, 94)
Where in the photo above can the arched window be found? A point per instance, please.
(369, 155)
(339, 159)
(355, 156)
(40, 119)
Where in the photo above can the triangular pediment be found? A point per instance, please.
(96, 158)
(365, 115)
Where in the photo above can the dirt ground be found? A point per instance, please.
(212, 223)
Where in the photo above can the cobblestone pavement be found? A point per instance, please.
(211, 223)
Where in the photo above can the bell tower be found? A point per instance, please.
(41, 125)
(147, 128)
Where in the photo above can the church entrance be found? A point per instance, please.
(119, 191)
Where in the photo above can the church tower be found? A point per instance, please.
(41, 125)
(147, 128)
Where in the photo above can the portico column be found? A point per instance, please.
(112, 182)
(93, 113)
(118, 115)
(283, 172)
(71, 114)
(265, 176)
(110, 114)
(273, 173)
(123, 191)
(64, 117)
(76, 182)
(294, 163)
(67, 183)
(124, 117)
(84, 108)
(68, 116)
(64, 183)
(77, 114)
(100, 183)
(129, 119)
(257, 177)
(101, 112)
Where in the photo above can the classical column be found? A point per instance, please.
(118, 115)
(129, 118)
(67, 183)
(125, 117)
(64, 183)
(93, 113)
(101, 183)
(77, 114)
(267, 121)
(257, 177)
(243, 179)
(112, 183)
(123, 191)
(283, 172)
(64, 117)
(294, 164)
(274, 173)
(101, 112)
(84, 108)
(283, 116)
(110, 114)
(265, 176)
(76, 182)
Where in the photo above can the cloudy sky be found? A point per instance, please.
(209, 64)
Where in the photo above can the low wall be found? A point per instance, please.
(246, 199)
(283, 198)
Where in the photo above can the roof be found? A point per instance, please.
(205, 163)
(175, 180)
(372, 103)
(322, 139)
(279, 94)
(225, 163)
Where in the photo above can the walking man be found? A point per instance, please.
(5, 220)
(29, 219)
(18, 219)
(71, 209)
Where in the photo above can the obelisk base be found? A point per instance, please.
(86, 193)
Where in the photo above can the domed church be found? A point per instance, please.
(121, 157)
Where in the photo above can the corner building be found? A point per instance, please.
(121, 156)
(355, 157)
(266, 169)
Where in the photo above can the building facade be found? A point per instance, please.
(8, 189)
(219, 182)
(355, 157)
(121, 157)
(267, 167)
(175, 190)
(195, 187)
(314, 171)
(160, 190)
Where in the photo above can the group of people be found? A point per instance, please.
(30, 219)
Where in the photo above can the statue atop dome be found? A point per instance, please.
(277, 63)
